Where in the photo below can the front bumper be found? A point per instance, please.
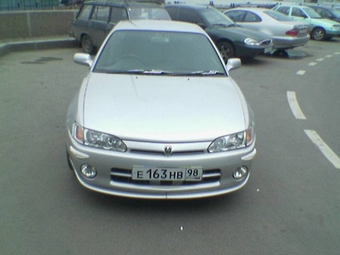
(114, 171)
(252, 51)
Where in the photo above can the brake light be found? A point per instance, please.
(292, 32)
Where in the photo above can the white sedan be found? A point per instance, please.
(159, 117)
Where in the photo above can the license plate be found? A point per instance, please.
(303, 31)
(266, 50)
(167, 174)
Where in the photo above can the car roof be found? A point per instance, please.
(159, 25)
(126, 3)
(292, 5)
(320, 6)
(254, 9)
(190, 6)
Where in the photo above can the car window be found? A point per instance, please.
(129, 50)
(215, 17)
(189, 15)
(297, 12)
(236, 16)
(101, 13)
(336, 13)
(118, 14)
(85, 12)
(311, 13)
(252, 17)
(323, 12)
(284, 9)
(148, 13)
(277, 15)
(172, 12)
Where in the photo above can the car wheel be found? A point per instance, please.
(318, 34)
(226, 50)
(69, 161)
(86, 44)
(281, 53)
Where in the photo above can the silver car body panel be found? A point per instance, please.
(276, 29)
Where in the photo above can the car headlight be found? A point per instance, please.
(336, 27)
(97, 139)
(233, 142)
(251, 41)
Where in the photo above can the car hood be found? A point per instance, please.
(241, 33)
(164, 108)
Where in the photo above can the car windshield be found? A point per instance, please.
(278, 15)
(216, 18)
(159, 53)
(148, 13)
(311, 13)
(336, 13)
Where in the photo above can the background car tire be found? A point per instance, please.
(68, 161)
(226, 50)
(318, 34)
(87, 44)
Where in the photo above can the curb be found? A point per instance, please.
(6, 48)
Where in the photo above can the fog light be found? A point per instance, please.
(240, 173)
(88, 171)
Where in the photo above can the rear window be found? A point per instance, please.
(148, 13)
(277, 15)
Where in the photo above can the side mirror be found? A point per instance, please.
(233, 63)
(83, 59)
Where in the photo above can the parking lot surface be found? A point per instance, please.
(289, 206)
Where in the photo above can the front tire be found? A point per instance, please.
(87, 44)
(226, 50)
(318, 34)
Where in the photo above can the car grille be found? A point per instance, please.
(266, 42)
(156, 152)
(124, 176)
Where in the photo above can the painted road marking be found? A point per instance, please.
(301, 72)
(294, 105)
(320, 59)
(329, 56)
(323, 147)
(312, 63)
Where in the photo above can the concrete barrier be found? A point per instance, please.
(32, 24)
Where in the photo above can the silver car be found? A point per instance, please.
(285, 32)
(159, 117)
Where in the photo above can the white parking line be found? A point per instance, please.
(337, 53)
(327, 152)
(301, 72)
(320, 59)
(294, 105)
(329, 56)
(312, 63)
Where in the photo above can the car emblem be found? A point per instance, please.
(167, 150)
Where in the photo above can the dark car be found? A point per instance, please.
(327, 12)
(96, 19)
(231, 40)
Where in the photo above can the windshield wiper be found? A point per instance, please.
(143, 71)
(219, 25)
(203, 73)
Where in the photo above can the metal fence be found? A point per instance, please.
(21, 5)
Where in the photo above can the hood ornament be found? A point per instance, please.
(168, 150)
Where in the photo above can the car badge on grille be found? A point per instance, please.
(167, 150)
